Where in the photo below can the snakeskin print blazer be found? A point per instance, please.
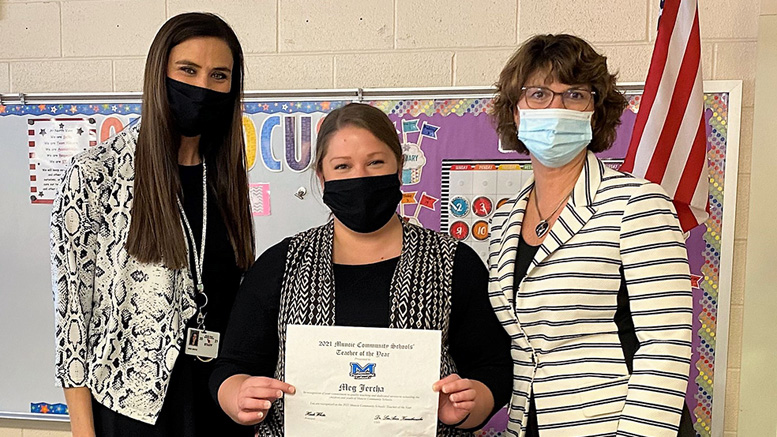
(119, 322)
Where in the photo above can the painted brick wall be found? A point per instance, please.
(100, 45)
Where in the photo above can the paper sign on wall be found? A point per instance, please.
(52, 143)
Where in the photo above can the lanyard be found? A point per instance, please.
(199, 253)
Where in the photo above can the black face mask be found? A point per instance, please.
(363, 204)
(198, 110)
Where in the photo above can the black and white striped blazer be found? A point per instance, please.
(565, 343)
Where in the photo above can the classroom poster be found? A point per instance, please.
(56, 133)
(52, 143)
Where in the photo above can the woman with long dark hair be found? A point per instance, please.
(151, 233)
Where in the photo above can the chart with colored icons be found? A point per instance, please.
(472, 191)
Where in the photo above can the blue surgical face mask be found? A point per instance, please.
(554, 136)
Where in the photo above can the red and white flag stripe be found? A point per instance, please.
(669, 142)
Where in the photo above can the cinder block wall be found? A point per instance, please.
(100, 45)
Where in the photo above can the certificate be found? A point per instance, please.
(361, 381)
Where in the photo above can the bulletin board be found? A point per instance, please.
(455, 173)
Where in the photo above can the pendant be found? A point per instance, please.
(541, 229)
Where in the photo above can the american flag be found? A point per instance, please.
(669, 142)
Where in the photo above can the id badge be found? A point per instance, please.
(202, 343)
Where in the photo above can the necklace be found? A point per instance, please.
(199, 253)
(542, 227)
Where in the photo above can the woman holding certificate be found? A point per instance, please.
(589, 272)
(150, 234)
(366, 267)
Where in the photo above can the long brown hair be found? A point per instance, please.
(358, 115)
(155, 233)
(567, 59)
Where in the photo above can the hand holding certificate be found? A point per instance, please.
(361, 381)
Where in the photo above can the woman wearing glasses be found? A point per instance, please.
(589, 273)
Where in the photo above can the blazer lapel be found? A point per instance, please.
(505, 233)
(576, 213)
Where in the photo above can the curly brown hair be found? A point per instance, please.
(566, 59)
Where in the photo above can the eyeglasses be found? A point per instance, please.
(539, 97)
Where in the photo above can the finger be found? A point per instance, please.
(251, 418)
(448, 379)
(456, 386)
(462, 396)
(261, 381)
(255, 405)
(467, 406)
(270, 394)
(261, 392)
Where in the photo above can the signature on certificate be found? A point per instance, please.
(314, 414)
(379, 418)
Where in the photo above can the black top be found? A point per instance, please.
(188, 409)
(221, 279)
(523, 258)
(221, 275)
(479, 345)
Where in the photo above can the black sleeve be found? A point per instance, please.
(250, 343)
(479, 345)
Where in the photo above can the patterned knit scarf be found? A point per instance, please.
(420, 296)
